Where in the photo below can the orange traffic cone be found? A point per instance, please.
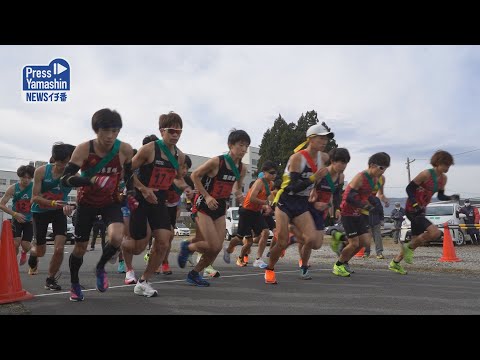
(448, 249)
(360, 253)
(10, 284)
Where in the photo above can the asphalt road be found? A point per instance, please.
(243, 291)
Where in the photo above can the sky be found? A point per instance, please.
(408, 101)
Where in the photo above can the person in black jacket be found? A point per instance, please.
(397, 215)
(98, 228)
(375, 220)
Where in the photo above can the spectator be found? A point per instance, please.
(98, 227)
(397, 215)
(375, 220)
(471, 217)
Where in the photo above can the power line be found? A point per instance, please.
(14, 158)
(466, 152)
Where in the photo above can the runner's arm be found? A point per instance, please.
(6, 197)
(414, 185)
(70, 177)
(209, 168)
(37, 198)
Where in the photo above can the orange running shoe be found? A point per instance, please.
(166, 269)
(270, 277)
(245, 259)
(240, 262)
(300, 263)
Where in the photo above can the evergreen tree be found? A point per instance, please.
(279, 141)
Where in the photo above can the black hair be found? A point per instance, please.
(237, 136)
(441, 157)
(380, 159)
(61, 151)
(170, 120)
(268, 165)
(339, 154)
(106, 119)
(149, 138)
(25, 170)
(188, 161)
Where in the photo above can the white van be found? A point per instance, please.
(439, 214)
(231, 222)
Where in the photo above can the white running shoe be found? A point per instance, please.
(130, 278)
(190, 260)
(145, 289)
(260, 264)
(210, 272)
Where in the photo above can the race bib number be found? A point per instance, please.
(51, 196)
(162, 178)
(23, 206)
(222, 189)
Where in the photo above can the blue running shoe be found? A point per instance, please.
(102, 281)
(197, 280)
(183, 254)
(76, 293)
(121, 267)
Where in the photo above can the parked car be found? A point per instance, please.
(181, 230)
(70, 231)
(438, 214)
(386, 230)
(388, 226)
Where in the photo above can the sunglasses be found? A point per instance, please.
(381, 167)
(172, 131)
(273, 172)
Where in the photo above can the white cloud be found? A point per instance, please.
(403, 97)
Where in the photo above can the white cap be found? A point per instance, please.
(319, 129)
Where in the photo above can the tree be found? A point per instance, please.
(279, 142)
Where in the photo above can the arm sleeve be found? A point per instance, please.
(70, 178)
(128, 176)
(411, 189)
(442, 197)
(337, 196)
(297, 184)
(351, 199)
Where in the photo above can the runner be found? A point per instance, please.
(173, 199)
(303, 170)
(420, 192)
(251, 222)
(50, 205)
(102, 161)
(131, 247)
(215, 180)
(21, 195)
(321, 199)
(356, 201)
(159, 163)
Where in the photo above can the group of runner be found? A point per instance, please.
(137, 193)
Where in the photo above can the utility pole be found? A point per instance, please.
(408, 168)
